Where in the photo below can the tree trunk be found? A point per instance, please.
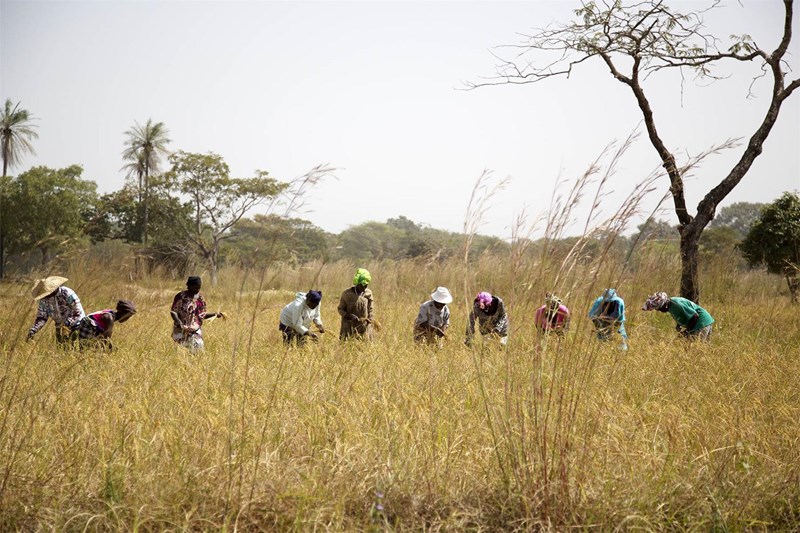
(2, 242)
(2, 226)
(794, 287)
(212, 263)
(146, 195)
(45, 255)
(690, 287)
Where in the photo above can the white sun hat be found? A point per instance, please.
(45, 286)
(442, 295)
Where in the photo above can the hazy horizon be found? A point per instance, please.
(374, 90)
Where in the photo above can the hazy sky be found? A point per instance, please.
(373, 89)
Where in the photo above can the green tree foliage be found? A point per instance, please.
(774, 241)
(16, 131)
(401, 238)
(269, 238)
(720, 240)
(656, 230)
(51, 209)
(739, 217)
(117, 216)
(217, 202)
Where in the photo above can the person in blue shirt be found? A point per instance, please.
(608, 314)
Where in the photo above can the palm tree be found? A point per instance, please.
(16, 132)
(144, 149)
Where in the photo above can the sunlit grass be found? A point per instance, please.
(249, 435)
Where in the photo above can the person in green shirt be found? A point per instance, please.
(692, 321)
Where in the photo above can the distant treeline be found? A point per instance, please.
(52, 212)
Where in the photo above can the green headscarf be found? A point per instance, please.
(362, 277)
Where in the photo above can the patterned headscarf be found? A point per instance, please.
(655, 301)
(609, 294)
(362, 277)
(552, 301)
(484, 299)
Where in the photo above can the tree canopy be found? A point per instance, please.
(216, 201)
(641, 39)
(51, 207)
(774, 240)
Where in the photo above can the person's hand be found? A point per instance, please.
(321, 329)
(222, 315)
(353, 318)
(313, 335)
(29, 338)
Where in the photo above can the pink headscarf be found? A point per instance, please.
(484, 299)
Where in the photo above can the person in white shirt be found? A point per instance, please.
(297, 316)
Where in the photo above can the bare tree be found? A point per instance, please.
(638, 40)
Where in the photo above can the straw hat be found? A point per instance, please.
(45, 286)
(442, 295)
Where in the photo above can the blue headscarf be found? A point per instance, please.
(609, 295)
(314, 296)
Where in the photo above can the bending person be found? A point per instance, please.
(608, 314)
(433, 318)
(552, 317)
(298, 315)
(691, 320)
(96, 328)
(59, 303)
(490, 312)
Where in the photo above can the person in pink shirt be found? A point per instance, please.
(552, 317)
(96, 328)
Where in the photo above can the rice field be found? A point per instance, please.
(394, 436)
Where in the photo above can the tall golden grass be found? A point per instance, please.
(389, 435)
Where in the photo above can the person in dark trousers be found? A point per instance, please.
(298, 315)
(96, 328)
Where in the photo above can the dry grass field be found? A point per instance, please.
(394, 436)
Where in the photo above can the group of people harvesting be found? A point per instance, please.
(356, 308)
(357, 312)
(73, 326)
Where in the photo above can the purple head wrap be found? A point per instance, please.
(484, 299)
